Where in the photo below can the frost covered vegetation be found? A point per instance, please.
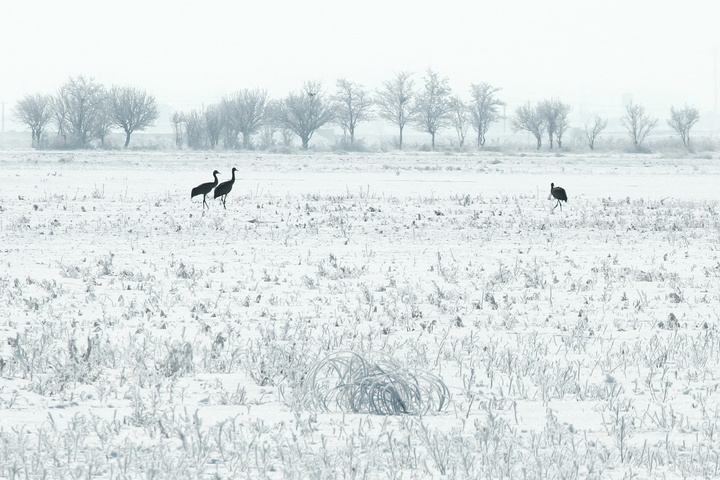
(383, 316)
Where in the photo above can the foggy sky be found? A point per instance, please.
(187, 53)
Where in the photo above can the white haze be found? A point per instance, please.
(192, 53)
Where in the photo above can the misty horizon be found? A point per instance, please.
(661, 53)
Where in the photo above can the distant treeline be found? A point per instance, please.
(84, 112)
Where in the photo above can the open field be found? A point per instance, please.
(143, 337)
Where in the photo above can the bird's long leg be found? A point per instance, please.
(224, 200)
(205, 202)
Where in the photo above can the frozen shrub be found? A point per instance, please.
(178, 361)
(377, 385)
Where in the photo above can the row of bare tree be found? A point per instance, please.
(551, 117)
(84, 111)
(251, 113)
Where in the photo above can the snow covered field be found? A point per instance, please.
(143, 337)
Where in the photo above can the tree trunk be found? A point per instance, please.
(401, 140)
(127, 138)
(550, 136)
(305, 141)
(246, 141)
(352, 136)
(432, 134)
(539, 141)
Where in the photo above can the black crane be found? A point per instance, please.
(205, 188)
(224, 188)
(559, 194)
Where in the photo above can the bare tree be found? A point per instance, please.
(459, 118)
(230, 126)
(353, 106)
(103, 121)
(85, 103)
(592, 131)
(267, 136)
(194, 129)
(638, 123)
(530, 118)
(395, 101)
(212, 120)
(245, 111)
(36, 112)
(562, 123)
(555, 114)
(287, 136)
(132, 109)
(305, 111)
(484, 109)
(271, 125)
(682, 121)
(432, 108)
(177, 121)
(60, 117)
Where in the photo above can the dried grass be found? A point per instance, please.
(376, 384)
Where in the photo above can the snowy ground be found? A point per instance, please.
(145, 338)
